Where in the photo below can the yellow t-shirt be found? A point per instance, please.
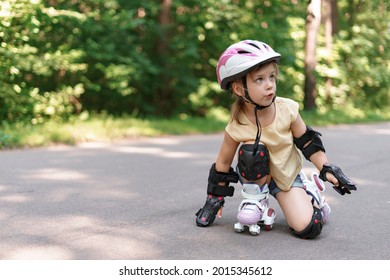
(285, 158)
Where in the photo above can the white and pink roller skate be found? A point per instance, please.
(254, 210)
(315, 187)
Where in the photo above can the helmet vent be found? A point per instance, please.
(254, 45)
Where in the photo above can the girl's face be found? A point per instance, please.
(261, 84)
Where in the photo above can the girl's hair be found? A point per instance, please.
(239, 104)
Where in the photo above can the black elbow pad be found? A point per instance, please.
(309, 143)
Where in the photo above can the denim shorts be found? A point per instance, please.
(274, 189)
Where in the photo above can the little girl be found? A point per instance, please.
(249, 70)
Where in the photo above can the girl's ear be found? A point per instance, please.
(237, 88)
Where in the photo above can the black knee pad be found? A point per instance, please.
(314, 228)
(253, 164)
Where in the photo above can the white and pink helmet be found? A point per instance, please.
(240, 58)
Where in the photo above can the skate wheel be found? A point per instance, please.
(268, 227)
(238, 228)
(254, 229)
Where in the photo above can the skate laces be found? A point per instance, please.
(251, 189)
(254, 191)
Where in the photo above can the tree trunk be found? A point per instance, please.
(327, 19)
(313, 22)
(163, 99)
(334, 16)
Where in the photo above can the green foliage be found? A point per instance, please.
(38, 69)
(62, 58)
(361, 65)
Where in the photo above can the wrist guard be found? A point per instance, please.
(216, 177)
(215, 195)
(345, 184)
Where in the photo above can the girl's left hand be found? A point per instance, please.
(219, 213)
(332, 179)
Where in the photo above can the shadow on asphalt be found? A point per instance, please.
(137, 199)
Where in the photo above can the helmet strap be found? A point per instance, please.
(248, 99)
(258, 133)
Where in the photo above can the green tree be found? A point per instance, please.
(60, 58)
(39, 66)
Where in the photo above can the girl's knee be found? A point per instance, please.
(312, 229)
(299, 222)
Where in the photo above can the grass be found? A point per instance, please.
(101, 128)
(108, 128)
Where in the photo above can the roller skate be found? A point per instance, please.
(254, 209)
(314, 188)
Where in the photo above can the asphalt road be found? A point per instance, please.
(137, 199)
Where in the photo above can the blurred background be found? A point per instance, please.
(69, 61)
